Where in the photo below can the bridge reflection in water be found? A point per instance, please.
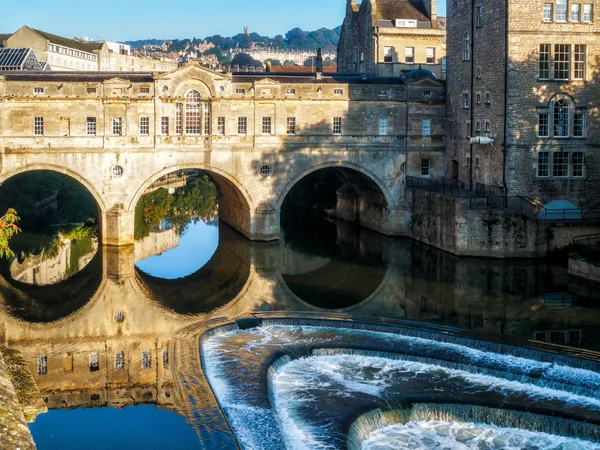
(110, 335)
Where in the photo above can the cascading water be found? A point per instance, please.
(299, 386)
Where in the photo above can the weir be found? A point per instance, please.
(324, 378)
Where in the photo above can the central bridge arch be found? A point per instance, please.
(235, 204)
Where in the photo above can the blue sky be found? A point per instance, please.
(133, 19)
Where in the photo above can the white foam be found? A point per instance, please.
(459, 436)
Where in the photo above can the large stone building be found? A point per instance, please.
(524, 75)
(63, 54)
(391, 37)
(255, 134)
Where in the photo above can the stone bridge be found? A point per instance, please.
(256, 135)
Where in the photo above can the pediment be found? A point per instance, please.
(266, 82)
(427, 82)
(117, 80)
(193, 70)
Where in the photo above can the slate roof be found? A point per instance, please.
(400, 9)
(4, 37)
(69, 43)
(91, 77)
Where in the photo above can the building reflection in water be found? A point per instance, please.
(104, 336)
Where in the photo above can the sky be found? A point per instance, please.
(175, 19)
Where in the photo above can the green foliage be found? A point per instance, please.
(273, 62)
(8, 228)
(244, 60)
(198, 199)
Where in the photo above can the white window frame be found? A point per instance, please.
(144, 126)
(90, 126)
(337, 126)
(425, 167)
(117, 126)
(388, 54)
(243, 126)
(291, 126)
(38, 126)
(547, 12)
(383, 126)
(409, 55)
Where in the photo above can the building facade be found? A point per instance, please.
(522, 75)
(391, 37)
(63, 54)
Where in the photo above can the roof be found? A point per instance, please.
(420, 74)
(13, 58)
(330, 78)
(300, 69)
(69, 43)
(90, 77)
(4, 37)
(400, 9)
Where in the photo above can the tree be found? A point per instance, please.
(8, 228)
(244, 60)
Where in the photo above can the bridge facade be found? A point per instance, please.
(256, 135)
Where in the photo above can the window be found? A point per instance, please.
(488, 98)
(560, 164)
(579, 62)
(242, 125)
(144, 90)
(444, 64)
(465, 100)
(467, 47)
(578, 125)
(240, 91)
(561, 10)
(487, 127)
(479, 16)
(42, 365)
(207, 120)
(94, 361)
(388, 54)
(543, 164)
(337, 126)
(146, 359)
(266, 125)
(164, 125)
(587, 13)
(425, 167)
(290, 91)
(561, 118)
(383, 93)
(165, 357)
(144, 126)
(430, 55)
(38, 126)
(575, 12)
(578, 162)
(291, 126)
(543, 125)
(478, 73)
(179, 118)
(468, 130)
(477, 128)
(119, 361)
(409, 55)
(426, 94)
(38, 90)
(266, 92)
(117, 126)
(383, 126)
(426, 127)
(547, 15)
(90, 126)
(544, 62)
(221, 126)
(562, 59)
(478, 98)
(192, 112)
(338, 91)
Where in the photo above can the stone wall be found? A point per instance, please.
(14, 433)
(451, 225)
(584, 269)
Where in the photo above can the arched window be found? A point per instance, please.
(467, 47)
(561, 118)
(193, 111)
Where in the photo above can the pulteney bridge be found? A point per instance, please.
(257, 135)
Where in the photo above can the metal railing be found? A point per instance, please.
(589, 240)
(446, 189)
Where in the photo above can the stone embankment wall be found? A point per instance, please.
(14, 433)
(451, 225)
(588, 270)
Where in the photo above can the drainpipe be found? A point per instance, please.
(471, 103)
(505, 143)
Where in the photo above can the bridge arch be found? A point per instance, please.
(62, 170)
(363, 197)
(235, 204)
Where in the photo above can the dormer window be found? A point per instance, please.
(38, 90)
(144, 90)
(404, 23)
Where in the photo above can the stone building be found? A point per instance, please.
(63, 54)
(391, 37)
(255, 134)
(523, 75)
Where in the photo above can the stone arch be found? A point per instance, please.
(374, 198)
(62, 170)
(193, 84)
(235, 204)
